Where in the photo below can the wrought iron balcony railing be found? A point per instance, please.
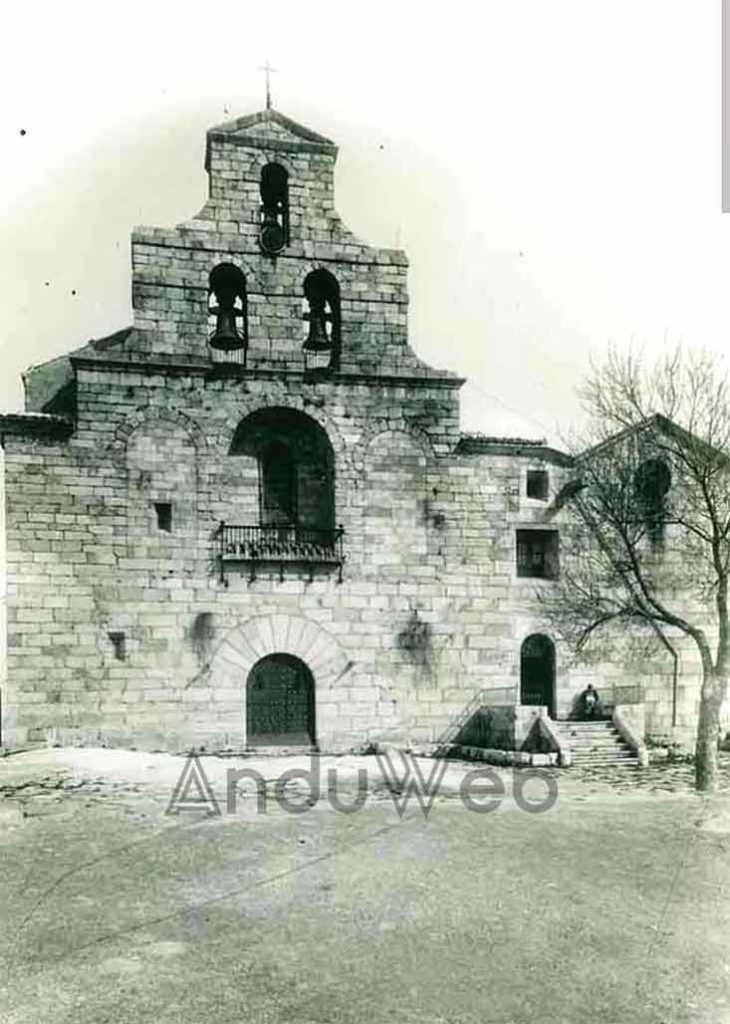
(279, 544)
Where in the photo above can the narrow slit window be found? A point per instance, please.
(163, 511)
(119, 646)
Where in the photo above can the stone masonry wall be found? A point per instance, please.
(429, 611)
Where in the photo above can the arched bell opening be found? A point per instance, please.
(322, 344)
(274, 214)
(537, 672)
(280, 703)
(228, 313)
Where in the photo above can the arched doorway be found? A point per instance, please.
(537, 672)
(280, 703)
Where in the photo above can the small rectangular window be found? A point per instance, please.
(163, 511)
(119, 645)
(537, 484)
(538, 554)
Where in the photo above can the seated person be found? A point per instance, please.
(590, 704)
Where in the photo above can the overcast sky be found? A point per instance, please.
(551, 168)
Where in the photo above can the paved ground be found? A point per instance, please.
(611, 907)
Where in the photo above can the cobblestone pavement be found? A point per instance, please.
(44, 778)
(668, 776)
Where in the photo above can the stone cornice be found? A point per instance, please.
(201, 236)
(208, 370)
(35, 424)
(539, 450)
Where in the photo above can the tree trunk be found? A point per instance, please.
(708, 730)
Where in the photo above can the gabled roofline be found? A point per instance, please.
(657, 421)
(248, 120)
(230, 131)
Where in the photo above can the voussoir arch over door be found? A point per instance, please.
(280, 703)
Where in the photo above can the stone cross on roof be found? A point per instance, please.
(267, 69)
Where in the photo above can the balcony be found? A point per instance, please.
(279, 547)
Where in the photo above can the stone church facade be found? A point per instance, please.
(251, 518)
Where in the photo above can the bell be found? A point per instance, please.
(317, 339)
(226, 335)
(271, 236)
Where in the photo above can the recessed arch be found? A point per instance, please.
(150, 415)
(161, 467)
(394, 521)
(260, 635)
(249, 641)
(224, 438)
(374, 433)
(296, 467)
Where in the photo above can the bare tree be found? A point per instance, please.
(651, 500)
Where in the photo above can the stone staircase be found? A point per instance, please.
(597, 745)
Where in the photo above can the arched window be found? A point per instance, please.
(652, 481)
(296, 468)
(322, 313)
(227, 312)
(274, 230)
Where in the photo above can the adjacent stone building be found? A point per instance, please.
(251, 518)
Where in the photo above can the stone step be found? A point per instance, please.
(600, 765)
(595, 737)
(619, 758)
(597, 745)
(590, 730)
(586, 721)
(618, 744)
(591, 737)
(593, 758)
(621, 766)
(612, 745)
(598, 741)
(576, 723)
(598, 751)
(583, 721)
(603, 749)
